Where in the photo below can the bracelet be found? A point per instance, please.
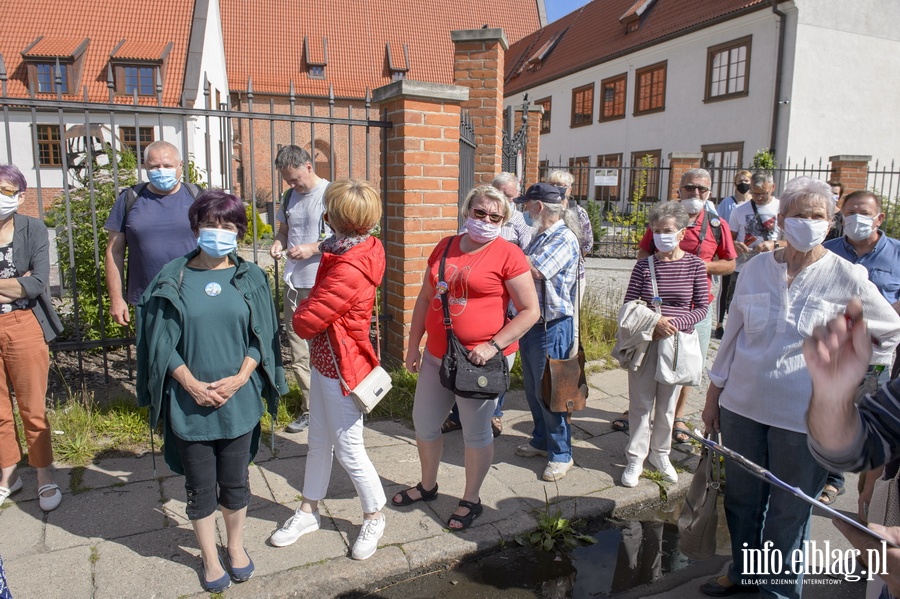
(494, 343)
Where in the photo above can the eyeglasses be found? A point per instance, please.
(9, 192)
(481, 215)
(693, 188)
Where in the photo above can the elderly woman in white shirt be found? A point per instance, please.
(759, 386)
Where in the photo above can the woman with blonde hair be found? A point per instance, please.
(336, 318)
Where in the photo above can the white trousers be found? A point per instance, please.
(336, 429)
(645, 395)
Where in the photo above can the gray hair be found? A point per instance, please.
(803, 188)
(695, 172)
(505, 179)
(292, 157)
(761, 178)
(560, 177)
(569, 218)
(491, 193)
(673, 210)
(161, 146)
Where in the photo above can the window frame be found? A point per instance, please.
(653, 182)
(46, 146)
(722, 175)
(120, 77)
(547, 105)
(587, 118)
(65, 70)
(623, 79)
(136, 144)
(711, 54)
(605, 193)
(649, 70)
(580, 167)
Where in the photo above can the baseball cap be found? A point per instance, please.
(542, 192)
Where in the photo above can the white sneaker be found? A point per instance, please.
(665, 468)
(367, 541)
(556, 470)
(632, 474)
(530, 451)
(296, 526)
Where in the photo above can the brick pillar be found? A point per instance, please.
(478, 65)
(533, 143)
(679, 163)
(422, 183)
(851, 171)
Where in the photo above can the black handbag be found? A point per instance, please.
(457, 373)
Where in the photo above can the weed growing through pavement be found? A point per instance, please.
(554, 533)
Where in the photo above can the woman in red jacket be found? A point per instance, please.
(336, 318)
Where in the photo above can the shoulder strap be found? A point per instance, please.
(759, 220)
(131, 195)
(443, 292)
(285, 197)
(657, 301)
(192, 189)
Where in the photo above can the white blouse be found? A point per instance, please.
(760, 363)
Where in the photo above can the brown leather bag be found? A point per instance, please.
(564, 385)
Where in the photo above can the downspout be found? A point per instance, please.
(779, 67)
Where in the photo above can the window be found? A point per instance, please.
(140, 80)
(543, 170)
(612, 97)
(545, 120)
(722, 161)
(609, 193)
(129, 138)
(45, 73)
(583, 105)
(645, 167)
(49, 145)
(316, 71)
(728, 70)
(650, 85)
(581, 169)
(395, 75)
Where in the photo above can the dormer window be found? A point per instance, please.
(136, 66)
(47, 58)
(397, 61)
(632, 17)
(316, 57)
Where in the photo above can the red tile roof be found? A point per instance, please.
(53, 47)
(140, 50)
(264, 39)
(593, 35)
(147, 24)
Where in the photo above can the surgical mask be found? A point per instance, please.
(482, 231)
(163, 179)
(693, 205)
(665, 242)
(858, 226)
(835, 197)
(743, 187)
(8, 205)
(217, 242)
(805, 233)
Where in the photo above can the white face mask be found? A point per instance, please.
(665, 242)
(9, 205)
(805, 233)
(482, 231)
(693, 205)
(858, 226)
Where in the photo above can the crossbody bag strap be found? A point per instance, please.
(657, 301)
(762, 227)
(334, 358)
(448, 324)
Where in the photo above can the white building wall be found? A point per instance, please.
(687, 122)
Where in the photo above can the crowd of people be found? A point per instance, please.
(801, 313)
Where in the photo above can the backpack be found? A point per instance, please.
(707, 225)
(134, 192)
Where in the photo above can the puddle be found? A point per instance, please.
(628, 554)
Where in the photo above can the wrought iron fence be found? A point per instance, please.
(885, 181)
(73, 155)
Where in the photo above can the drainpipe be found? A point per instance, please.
(779, 67)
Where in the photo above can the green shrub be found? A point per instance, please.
(263, 231)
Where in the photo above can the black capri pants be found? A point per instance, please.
(215, 473)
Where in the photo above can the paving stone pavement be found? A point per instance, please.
(121, 532)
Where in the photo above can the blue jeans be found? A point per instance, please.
(757, 513)
(551, 431)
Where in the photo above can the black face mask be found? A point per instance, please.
(743, 187)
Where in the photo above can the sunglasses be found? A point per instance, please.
(9, 192)
(693, 188)
(481, 215)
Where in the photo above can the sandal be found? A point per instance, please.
(830, 493)
(451, 425)
(496, 426)
(475, 510)
(407, 500)
(621, 423)
(11, 490)
(679, 435)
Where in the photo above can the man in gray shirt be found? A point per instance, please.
(301, 228)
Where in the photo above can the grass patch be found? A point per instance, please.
(82, 429)
(399, 400)
(599, 324)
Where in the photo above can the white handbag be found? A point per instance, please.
(680, 362)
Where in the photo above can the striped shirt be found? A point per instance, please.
(682, 287)
(556, 255)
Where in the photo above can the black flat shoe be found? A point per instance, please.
(407, 500)
(712, 588)
(475, 510)
(719, 332)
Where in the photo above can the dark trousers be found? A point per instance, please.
(215, 473)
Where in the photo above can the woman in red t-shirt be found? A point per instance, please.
(483, 272)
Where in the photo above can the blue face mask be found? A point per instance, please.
(163, 179)
(217, 242)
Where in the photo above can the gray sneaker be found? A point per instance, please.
(298, 425)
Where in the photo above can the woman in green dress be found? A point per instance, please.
(208, 350)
